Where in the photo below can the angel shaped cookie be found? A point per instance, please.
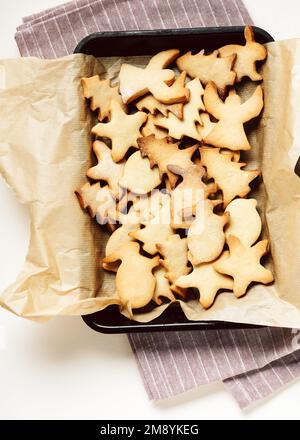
(232, 114)
(155, 78)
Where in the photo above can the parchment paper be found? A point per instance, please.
(44, 157)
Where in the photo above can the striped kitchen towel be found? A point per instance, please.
(252, 363)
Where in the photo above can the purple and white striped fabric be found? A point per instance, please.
(57, 31)
(252, 363)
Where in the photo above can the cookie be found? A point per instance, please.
(175, 261)
(242, 263)
(233, 155)
(95, 199)
(206, 236)
(149, 206)
(209, 68)
(99, 202)
(163, 152)
(162, 288)
(143, 207)
(207, 280)
(101, 95)
(155, 78)
(151, 127)
(138, 176)
(135, 282)
(107, 169)
(228, 175)
(245, 222)
(119, 237)
(188, 193)
(130, 217)
(206, 127)
(152, 105)
(122, 129)
(231, 114)
(246, 56)
(187, 126)
(111, 267)
(156, 230)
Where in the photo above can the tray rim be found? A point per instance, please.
(134, 326)
(169, 32)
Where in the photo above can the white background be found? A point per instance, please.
(64, 370)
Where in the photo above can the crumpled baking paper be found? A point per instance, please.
(45, 150)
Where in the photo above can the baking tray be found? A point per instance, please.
(109, 44)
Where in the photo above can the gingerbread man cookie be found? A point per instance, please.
(242, 263)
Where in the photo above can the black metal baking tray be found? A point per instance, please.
(109, 44)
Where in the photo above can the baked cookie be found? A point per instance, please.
(188, 193)
(207, 280)
(228, 175)
(162, 288)
(242, 263)
(231, 114)
(155, 78)
(99, 202)
(101, 95)
(175, 260)
(163, 152)
(206, 236)
(244, 222)
(135, 282)
(138, 176)
(246, 56)
(156, 231)
(152, 127)
(122, 129)
(107, 169)
(209, 68)
(191, 117)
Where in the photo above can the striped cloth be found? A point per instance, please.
(252, 363)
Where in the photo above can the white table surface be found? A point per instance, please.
(63, 370)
